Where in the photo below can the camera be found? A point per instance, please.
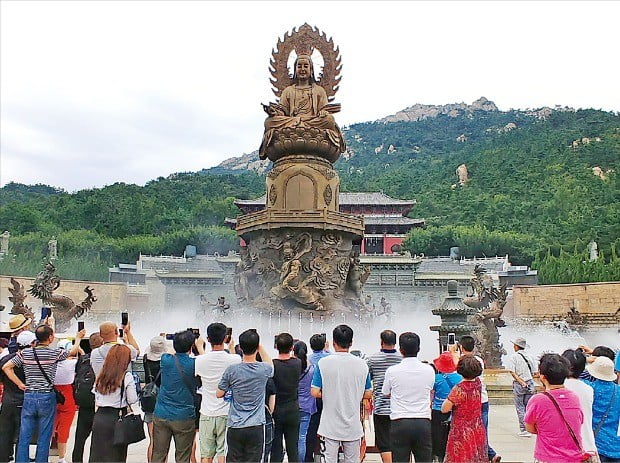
(170, 337)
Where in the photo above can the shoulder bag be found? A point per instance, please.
(129, 428)
(148, 395)
(60, 398)
(585, 456)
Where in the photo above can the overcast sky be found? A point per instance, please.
(94, 93)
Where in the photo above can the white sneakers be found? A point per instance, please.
(524, 434)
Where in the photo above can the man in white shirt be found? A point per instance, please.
(409, 385)
(213, 411)
(342, 381)
(522, 367)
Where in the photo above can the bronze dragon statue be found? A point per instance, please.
(64, 308)
(490, 302)
(18, 296)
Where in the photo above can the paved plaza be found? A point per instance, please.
(503, 428)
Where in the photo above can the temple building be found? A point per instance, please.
(385, 219)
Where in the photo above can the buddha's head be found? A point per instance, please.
(303, 68)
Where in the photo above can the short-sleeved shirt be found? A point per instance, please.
(343, 379)
(444, 382)
(175, 401)
(247, 382)
(607, 439)
(409, 384)
(286, 375)
(517, 362)
(12, 394)
(553, 439)
(586, 398)
(210, 367)
(48, 358)
(98, 356)
(317, 355)
(378, 363)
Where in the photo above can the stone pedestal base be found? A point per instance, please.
(306, 268)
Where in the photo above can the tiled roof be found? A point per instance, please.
(390, 220)
(346, 199)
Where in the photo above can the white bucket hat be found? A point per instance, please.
(602, 368)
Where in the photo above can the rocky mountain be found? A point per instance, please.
(421, 111)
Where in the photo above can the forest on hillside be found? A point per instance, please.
(532, 194)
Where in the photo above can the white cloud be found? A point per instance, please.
(98, 92)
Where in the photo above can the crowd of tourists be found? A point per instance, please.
(229, 401)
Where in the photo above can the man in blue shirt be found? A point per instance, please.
(247, 381)
(175, 412)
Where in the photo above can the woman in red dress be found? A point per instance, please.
(467, 441)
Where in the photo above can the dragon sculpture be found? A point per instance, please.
(18, 296)
(64, 308)
(490, 302)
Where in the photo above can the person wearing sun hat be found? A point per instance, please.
(157, 347)
(605, 408)
(446, 378)
(523, 369)
(17, 324)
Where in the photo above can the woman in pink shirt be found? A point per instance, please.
(555, 415)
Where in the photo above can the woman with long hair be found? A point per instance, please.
(307, 403)
(115, 390)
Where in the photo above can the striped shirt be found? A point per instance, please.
(378, 363)
(48, 358)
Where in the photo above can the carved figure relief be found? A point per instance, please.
(273, 195)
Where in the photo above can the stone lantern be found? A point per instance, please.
(455, 316)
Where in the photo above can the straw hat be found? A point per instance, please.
(445, 363)
(602, 368)
(18, 322)
(156, 348)
(520, 342)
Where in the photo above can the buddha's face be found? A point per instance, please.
(303, 68)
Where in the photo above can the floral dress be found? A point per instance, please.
(467, 441)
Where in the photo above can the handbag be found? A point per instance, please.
(148, 395)
(585, 456)
(60, 398)
(129, 428)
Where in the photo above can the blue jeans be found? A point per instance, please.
(304, 422)
(38, 414)
(485, 421)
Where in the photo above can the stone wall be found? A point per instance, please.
(551, 301)
(111, 297)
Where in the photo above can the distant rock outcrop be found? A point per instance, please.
(248, 161)
(420, 111)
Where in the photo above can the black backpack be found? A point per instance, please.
(84, 382)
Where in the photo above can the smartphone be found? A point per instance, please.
(80, 325)
(120, 333)
(45, 312)
(196, 332)
(170, 337)
(124, 318)
(228, 335)
(451, 339)
(275, 341)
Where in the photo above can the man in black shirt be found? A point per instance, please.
(286, 373)
(10, 413)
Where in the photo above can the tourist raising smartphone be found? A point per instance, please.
(115, 390)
